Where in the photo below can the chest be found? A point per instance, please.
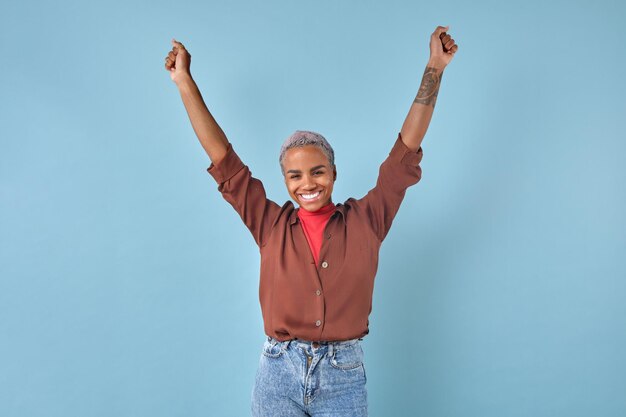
(348, 248)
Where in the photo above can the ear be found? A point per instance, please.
(334, 173)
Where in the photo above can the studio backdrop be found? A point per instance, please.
(129, 287)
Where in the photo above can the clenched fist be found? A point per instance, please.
(178, 62)
(442, 47)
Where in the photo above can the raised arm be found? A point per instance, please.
(442, 50)
(210, 134)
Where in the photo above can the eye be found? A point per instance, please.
(293, 177)
(318, 172)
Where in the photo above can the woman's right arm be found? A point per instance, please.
(244, 192)
(210, 134)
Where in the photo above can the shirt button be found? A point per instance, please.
(318, 292)
(318, 323)
(324, 264)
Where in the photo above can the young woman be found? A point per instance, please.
(318, 261)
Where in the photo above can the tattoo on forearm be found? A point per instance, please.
(429, 89)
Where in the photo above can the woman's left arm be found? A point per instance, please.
(442, 50)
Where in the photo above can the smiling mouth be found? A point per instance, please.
(310, 197)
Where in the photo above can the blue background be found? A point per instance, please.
(128, 287)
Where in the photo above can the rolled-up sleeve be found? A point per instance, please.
(398, 172)
(227, 167)
(246, 194)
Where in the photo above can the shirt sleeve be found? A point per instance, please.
(246, 194)
(398, 172)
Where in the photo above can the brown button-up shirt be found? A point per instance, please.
(331, 300)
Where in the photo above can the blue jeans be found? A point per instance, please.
(300, 378)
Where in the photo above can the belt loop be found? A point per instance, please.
(287, 343)
(331, 350)
(274, 341)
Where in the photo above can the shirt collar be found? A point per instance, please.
(339, 208)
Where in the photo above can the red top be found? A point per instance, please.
(313, 223)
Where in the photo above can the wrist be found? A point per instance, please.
(437, 64)
(183, 80)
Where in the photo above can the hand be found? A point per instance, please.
(178, 62)
(442, 47)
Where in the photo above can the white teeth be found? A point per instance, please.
(309, 196)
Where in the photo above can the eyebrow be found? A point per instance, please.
(297, 171)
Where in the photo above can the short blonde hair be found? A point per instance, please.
(305, 137)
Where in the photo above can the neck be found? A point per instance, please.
(324, 209)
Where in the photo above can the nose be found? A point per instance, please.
(309, 184)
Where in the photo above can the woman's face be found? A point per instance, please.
(309, 177)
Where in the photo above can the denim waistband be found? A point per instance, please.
(321, 343)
